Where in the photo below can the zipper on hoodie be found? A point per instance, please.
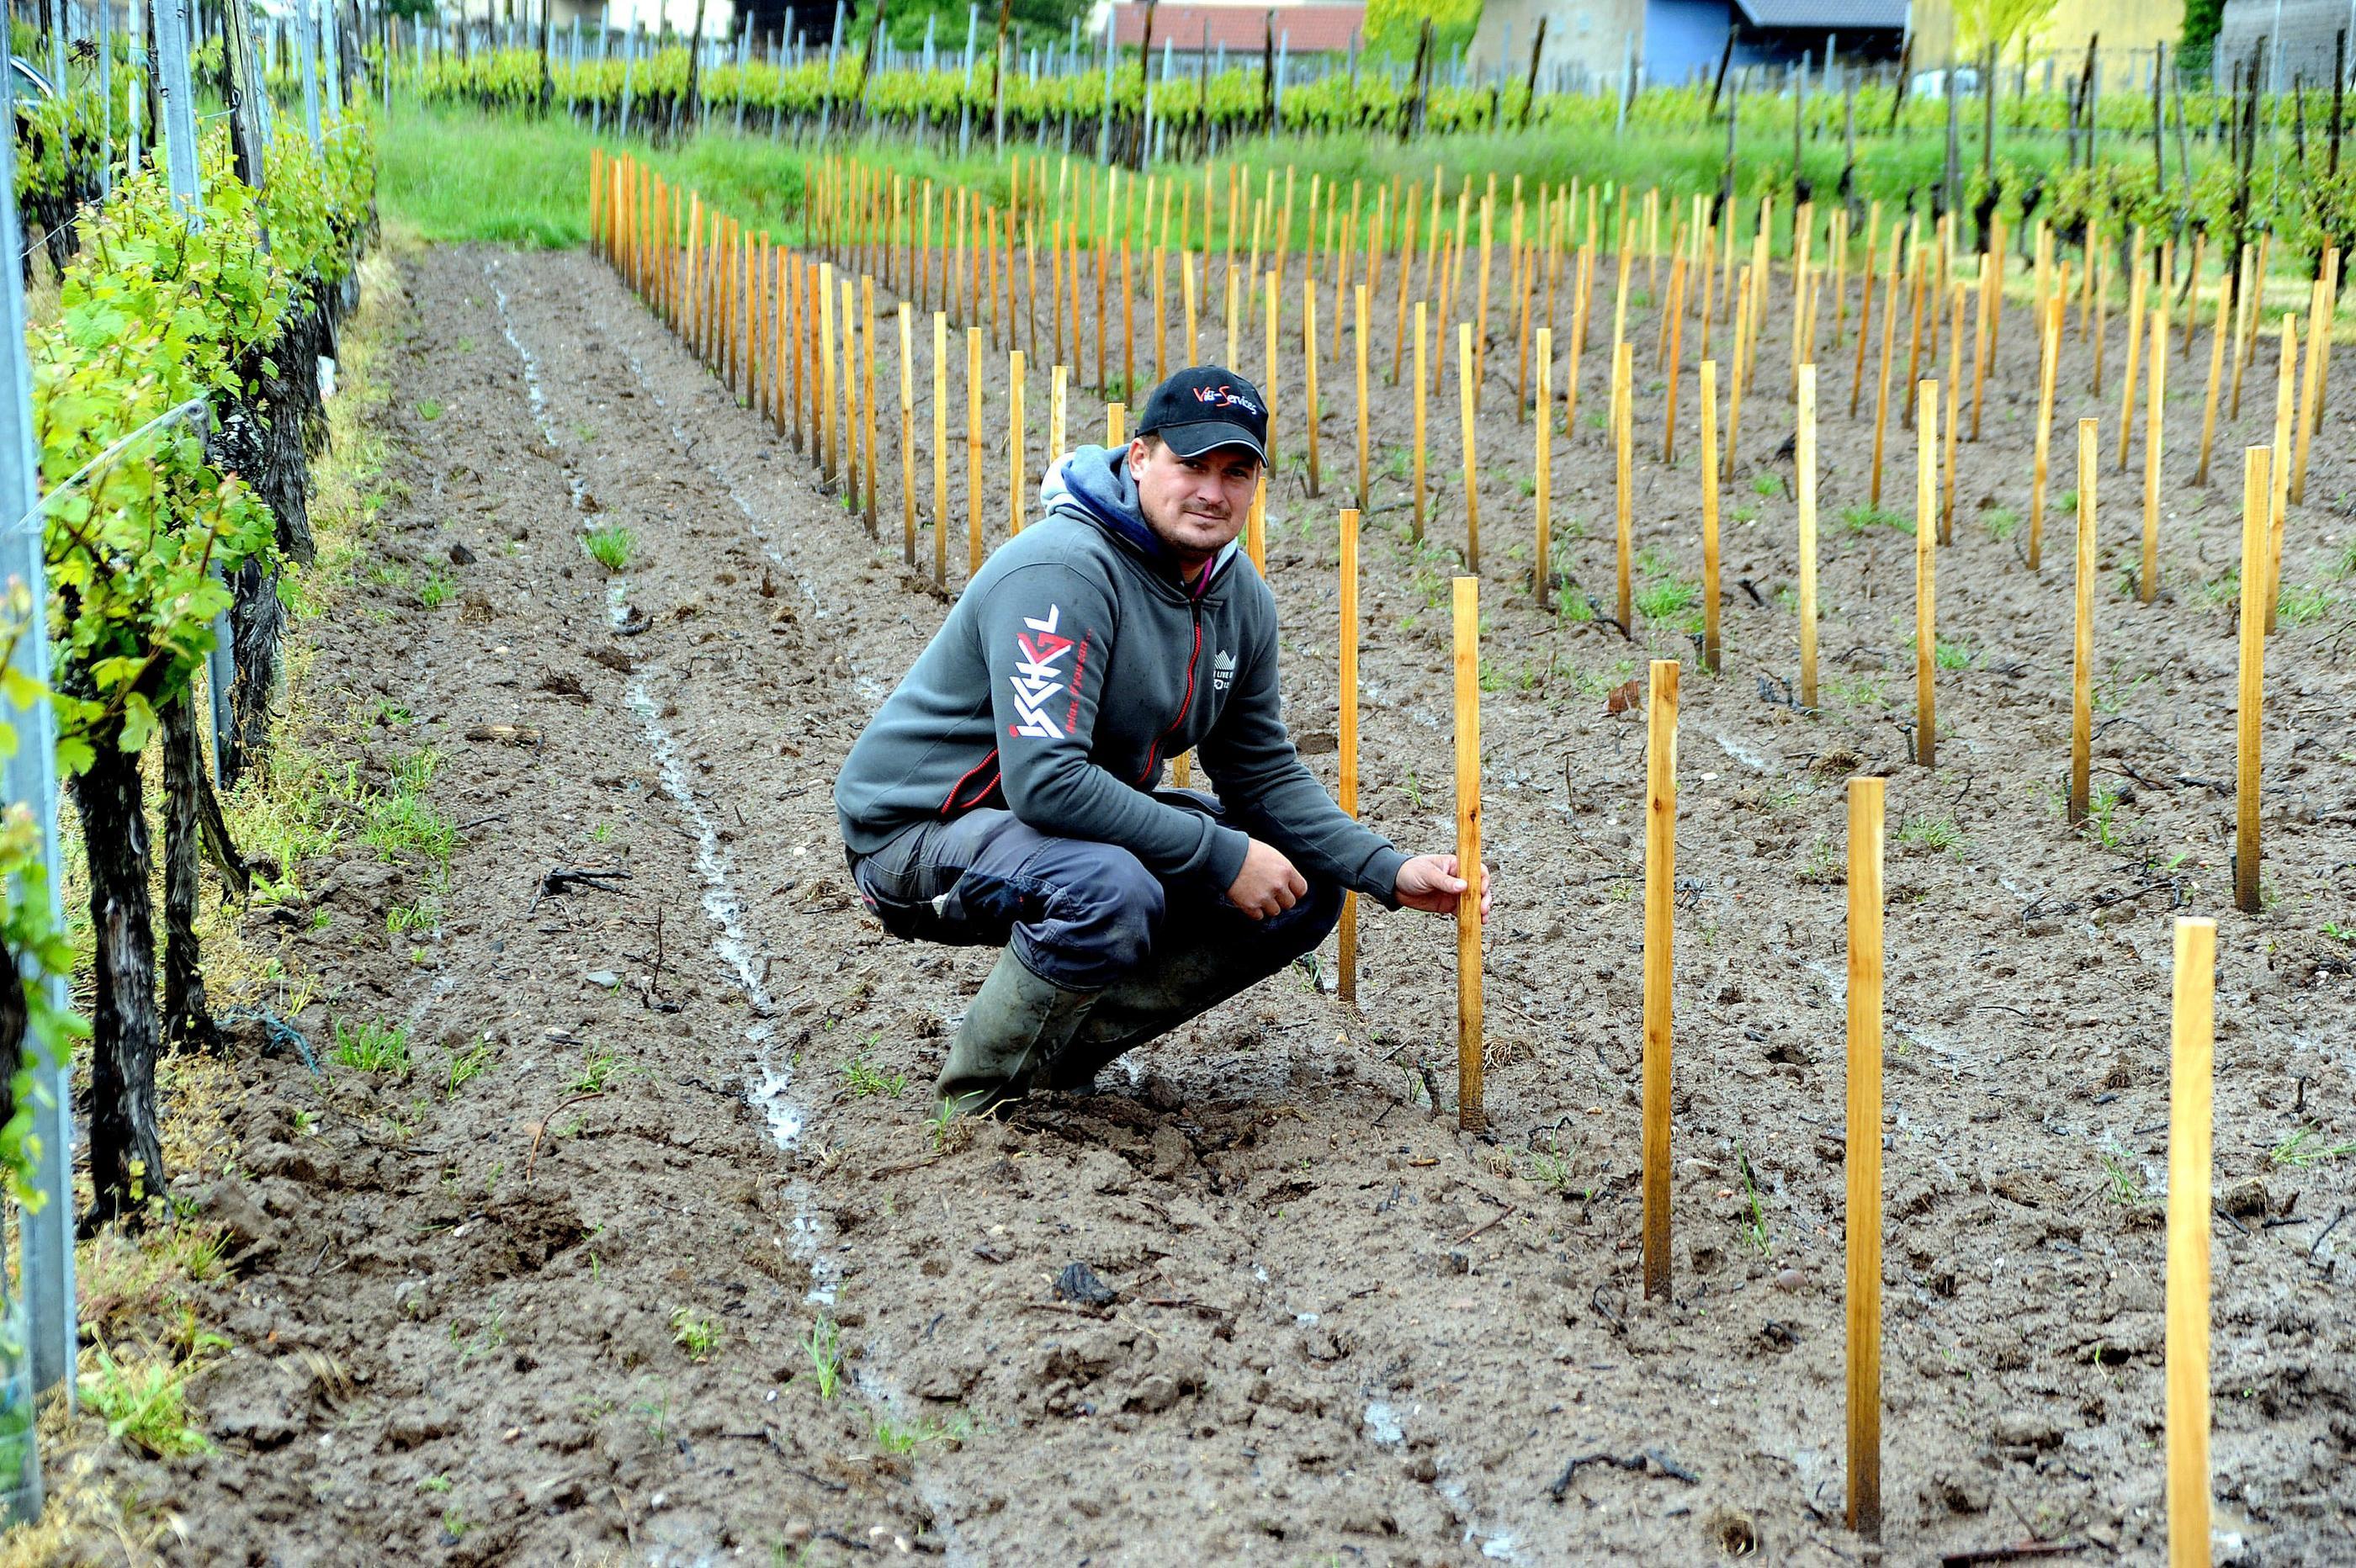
(1185, 703)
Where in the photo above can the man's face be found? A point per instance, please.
(1193, 505)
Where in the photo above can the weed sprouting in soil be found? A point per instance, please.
(402, 819)
(2302, 605)
(1549, 1168)
(1673, 600)
(1821, 865)
(694, 1332)
(144, 1401)
(1934, 833)
(367, 1046)
(2002, 521)
(428, 410)
(468, 1065)
(597, 1070)
(436, 590)
(1767, 483)
(610, 546)
(895, 1438)
(1858, 691)
(1863, 519)
(2306, 1148)
(824, 1347)
(2101, 824)
(865, 1078)
(1754, 1229)
(2122, 1184)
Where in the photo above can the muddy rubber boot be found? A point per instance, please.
(1186, 979)
(1017, 1021)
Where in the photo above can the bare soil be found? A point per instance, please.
(1342, 1329)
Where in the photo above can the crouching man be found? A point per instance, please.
(1006, 793)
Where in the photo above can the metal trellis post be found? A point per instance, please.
(48, 1259)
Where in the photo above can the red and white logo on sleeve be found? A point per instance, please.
(1039, 675)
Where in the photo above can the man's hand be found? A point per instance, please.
(1267, 885)
(1429, 882)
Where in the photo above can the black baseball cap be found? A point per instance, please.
(1205, 407)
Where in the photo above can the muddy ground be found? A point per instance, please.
(1342, 1330)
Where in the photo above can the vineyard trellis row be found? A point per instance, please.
(762, 315)
(2307, 203)
(160, 426)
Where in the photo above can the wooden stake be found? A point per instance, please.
(2257, 486)
(829, 448)
(2147, 580)
(1346, 983)
(1469, 1115)
(850, 386)
(1677, 345)
(1926, 539)
(867, 394)
(2311, 388)
(1186, 289)
(1420, 399)
(1364, 495)
(1622, 437)
(1709, 614)
(1954, 394)
(2081, 647)
(2048, 366)
(2189, 1128)
(2135, 355)
(1862, 1296)
(2216, 371)
(1660, 927)
(1268, 381)
(2248, 297)
(1918, 285)
(1057, 384)
(907, 438)
(973, 450)
(1734, 373)
(1015, 452)
(1541, 578)
(1804, 457)
(1467, 402)
(1116, 422)
(1255, 526)
(1882, 387)
(940, 447)
(1310, 407)
(2285, 368)
(1161, 321)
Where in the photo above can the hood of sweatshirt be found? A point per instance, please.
(1095, 483)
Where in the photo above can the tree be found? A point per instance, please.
(1979, 23)
(1036, 23)
(2202, 20)
(1393, 27)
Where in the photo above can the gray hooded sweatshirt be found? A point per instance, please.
(1071, 670)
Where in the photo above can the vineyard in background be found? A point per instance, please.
(2197, 162)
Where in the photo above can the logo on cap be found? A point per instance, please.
(1225, 397)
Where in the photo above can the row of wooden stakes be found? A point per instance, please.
(729, 284)
(712, 284)
(668, 275)
(871, 218)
